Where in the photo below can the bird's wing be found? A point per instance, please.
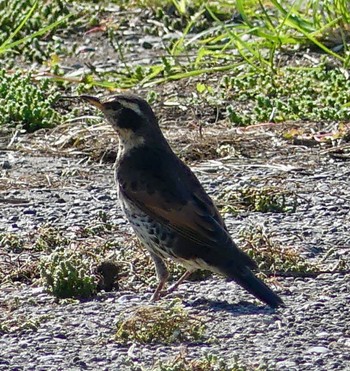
(173, 196)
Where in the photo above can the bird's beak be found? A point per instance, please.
(93, 101)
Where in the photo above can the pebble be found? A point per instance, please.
(6, 165)
(287, 365)
(29, 212)
(317, 350)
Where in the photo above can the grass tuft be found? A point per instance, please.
(48, 239)
(166, 324)
(264, 200)
(271, 256)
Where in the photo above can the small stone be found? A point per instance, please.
(322, 334)
(61, 336)
(29, 212)
(147, 45)
(104, 198)
(286, 365)
(6, 165)
(318, 350)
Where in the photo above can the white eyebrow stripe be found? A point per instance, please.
(127, 104)
(133, 106)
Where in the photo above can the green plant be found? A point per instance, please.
(48, 239)
(308, 94)
(68, 274)
(282, 24)
(22, 34)
(20, 323)
(270, 255)
(98, 227)
(11, 242)
(159, 324)
(264, 199)
(27, 103)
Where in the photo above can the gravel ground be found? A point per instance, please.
(311, 333)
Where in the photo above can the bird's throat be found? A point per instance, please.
(128, 141)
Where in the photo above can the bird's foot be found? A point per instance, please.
(171, 289)
(155, 297)
(160, 293)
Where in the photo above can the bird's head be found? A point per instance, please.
(130, 115)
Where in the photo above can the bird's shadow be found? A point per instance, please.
(236, 309)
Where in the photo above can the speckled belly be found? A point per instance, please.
(156, 237)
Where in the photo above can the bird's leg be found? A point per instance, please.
(162, 274)
(174, 286)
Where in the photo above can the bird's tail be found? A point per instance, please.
(258, 288)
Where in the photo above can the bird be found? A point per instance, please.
(166, 205)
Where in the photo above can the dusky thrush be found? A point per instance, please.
(167, 206)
